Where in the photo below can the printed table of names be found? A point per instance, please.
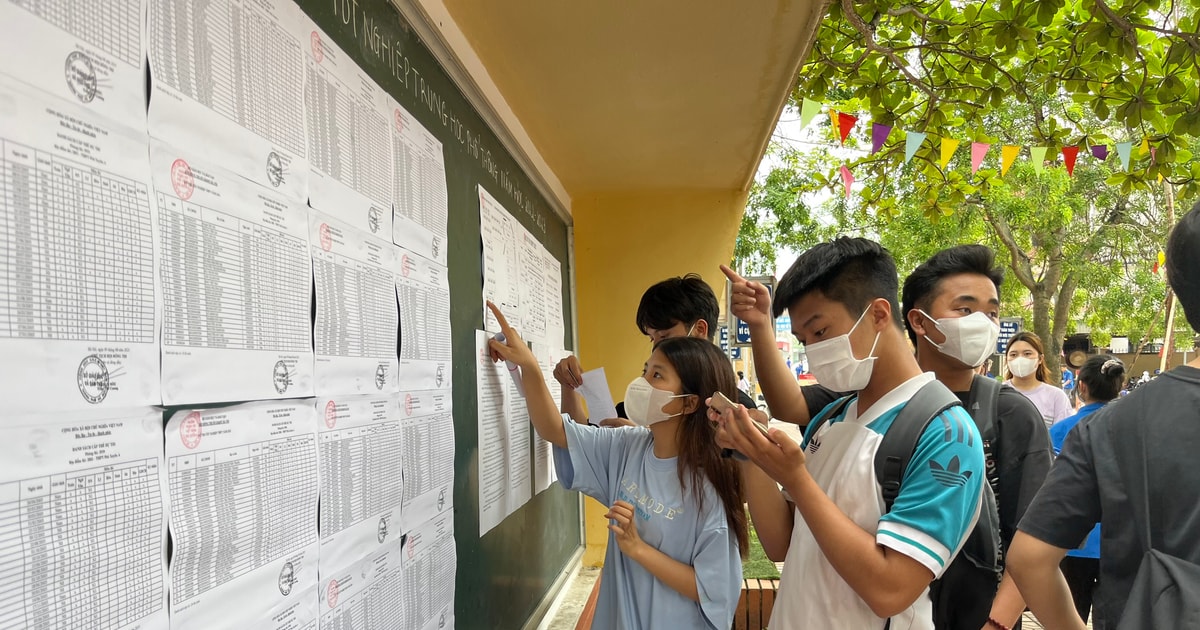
(85, 547)
(231, 283)
(235, 509)
(78, 260)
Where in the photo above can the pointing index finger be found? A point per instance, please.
(731, 274)
(504, 327)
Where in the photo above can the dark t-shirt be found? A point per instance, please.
(1022, 450)
(1085, 485)
(742, 398)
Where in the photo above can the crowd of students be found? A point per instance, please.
(965, 525)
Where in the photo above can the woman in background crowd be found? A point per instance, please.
(1028, 374)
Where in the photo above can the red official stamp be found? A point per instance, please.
(408, 404)
(330, 414)
(189, 430)
(331, 594)
(318, 49)
(182, 180)
(326, 237)
(399, 116)
(405, 265)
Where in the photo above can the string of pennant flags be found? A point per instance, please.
(843, 123)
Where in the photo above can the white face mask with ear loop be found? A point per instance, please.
(970, 339)
(644, 402)
(833, 363)
(1023, 366)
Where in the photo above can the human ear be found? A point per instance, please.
(701, 329)
(690, 404)
(916, 321)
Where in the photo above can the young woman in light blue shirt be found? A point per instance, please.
(678, 525)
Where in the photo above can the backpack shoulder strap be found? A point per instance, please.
(833, 410)
(983, 404)
(900, 441)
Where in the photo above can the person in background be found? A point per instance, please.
(743, 384)
(678, 526)
(1027, 373)
(1068, 384)
(1154, 431)
(676, 307)
(1099, 382)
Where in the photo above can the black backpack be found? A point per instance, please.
(962, 596)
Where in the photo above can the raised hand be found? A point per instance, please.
(749, 301)
(568, 373)
(513, 348)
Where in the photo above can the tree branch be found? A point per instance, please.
(868, 35)
(924, 17)
(1020, 262)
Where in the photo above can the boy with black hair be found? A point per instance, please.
(1130, 467)
(683, 306)
(951, 304)
(848, 563)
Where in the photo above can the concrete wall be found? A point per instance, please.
(625, 242)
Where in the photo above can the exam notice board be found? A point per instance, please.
(239, 284)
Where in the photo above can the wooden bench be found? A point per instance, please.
(755, 604)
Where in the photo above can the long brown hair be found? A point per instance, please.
(702, 370)
(1042, 374)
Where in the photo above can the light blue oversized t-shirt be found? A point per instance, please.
(619, 464)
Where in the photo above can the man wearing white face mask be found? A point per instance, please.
(952, 307)
(851, 564)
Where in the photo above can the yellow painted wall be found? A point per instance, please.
(625, 242)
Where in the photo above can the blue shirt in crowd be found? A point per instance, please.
(1058, 433)
(619, 464)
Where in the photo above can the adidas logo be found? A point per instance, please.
(949, 476)
(813, 446)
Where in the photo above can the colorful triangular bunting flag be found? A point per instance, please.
(1100, 151)
(1008, 155)
(912, 142)
(1037, 155)
(847, 179)
(1069, 155)
(833, 120)
(1145, 148)
(949, 146)
(879, 135)
(808, 111)
(1123, 151)
(978, 152)
(845, 124)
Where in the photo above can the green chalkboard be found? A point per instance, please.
(503, 576)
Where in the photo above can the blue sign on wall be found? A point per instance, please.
(743, 332)
(723, 337)
(1009, 326)
(736, 354)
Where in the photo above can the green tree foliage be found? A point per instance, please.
(1051, 73)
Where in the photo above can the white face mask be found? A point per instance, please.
(970, 339)
(832, 362)
(644, 402)
(1022, 367)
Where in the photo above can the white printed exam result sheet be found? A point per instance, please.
(83, 520)
(243, 483)
(236, 283)
(79, 308)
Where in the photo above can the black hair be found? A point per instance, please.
(1183, 253)
(741, 374)
(1104, 375)
(923, 285)
(686, 299)
(849, 270)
